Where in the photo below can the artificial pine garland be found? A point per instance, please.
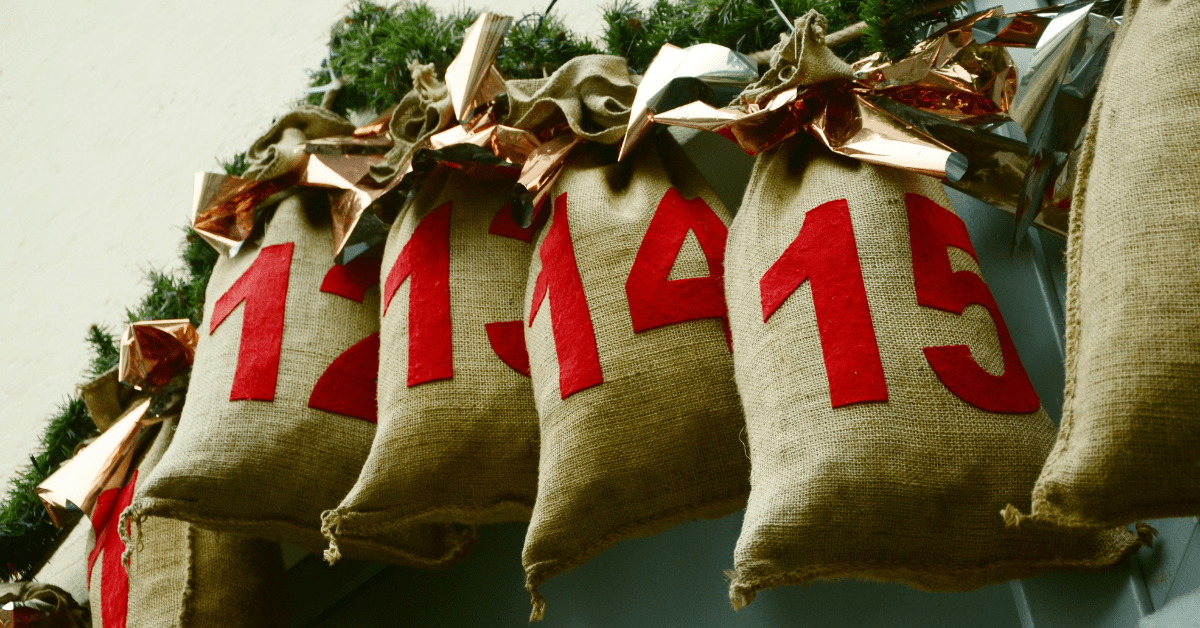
(369, 50)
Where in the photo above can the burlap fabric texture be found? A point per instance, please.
(280, 414)
(639, 413)
(458, 431)
(865, 461)
(180, 576)
(423, 111)
(590, 94)
(1129, 444)
(62, 610)
(282, 146)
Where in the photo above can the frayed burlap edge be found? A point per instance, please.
(936, 578)
(460, 540)
(540, 572)
(340, 524)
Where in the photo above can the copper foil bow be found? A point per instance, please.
(479, 146)
(944, 109)
(472, 78)
(98, 467)
(706, 73)
(1071, 45)
(226, 208)
(948, 74)
(154, 352)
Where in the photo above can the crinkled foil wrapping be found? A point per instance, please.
(100, 466)
(945, 110)
(154, 352)
(471, 78)
(705, 73)
(480, 147)
(227, 208)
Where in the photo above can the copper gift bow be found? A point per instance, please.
(939, 111)
(227, 208)
(534, 157)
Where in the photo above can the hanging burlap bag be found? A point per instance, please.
(458, 432)
(280, 414)
(629, 356)
(423, 111)
(1129, 444)
(458, 429)
(889, 416)
(179, 576)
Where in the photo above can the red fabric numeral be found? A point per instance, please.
(426, 258)
(352, 280)
(504, 226)
(570, 318)
(263, 287)
(348, 386)
(654, 300)
(508, 338)
(114, 580)
(508, 341)
(932, 228)
(825, 254)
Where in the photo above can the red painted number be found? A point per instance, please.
(263, 288)
(826, 255)
(426, 259)
(932, 228)
(349, 385)
(570, 319)
(654, 300)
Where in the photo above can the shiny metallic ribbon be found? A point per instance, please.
(227, 208)
(946, 109)
(480, 147)
(100, 466)
(154, 352)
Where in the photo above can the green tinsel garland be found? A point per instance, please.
(370, 49)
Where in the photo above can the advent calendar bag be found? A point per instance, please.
(177, 575)
(889, 416)
(280, 414)
(630, 358)
(1129, 445)
(458, 430)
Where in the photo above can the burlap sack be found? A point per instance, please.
(630, 361)
(278, 150)
(280, 414)
(888, 414)
(458, 430)
(1129, 444)
(179, 576)
(423, 111)
(590, 94)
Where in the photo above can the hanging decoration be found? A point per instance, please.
(942, 110)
